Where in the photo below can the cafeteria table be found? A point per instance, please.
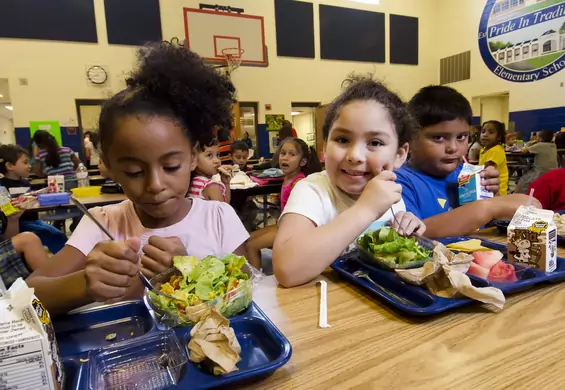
(93, 201)
(36, 184)
(371, 346)
(239, 196)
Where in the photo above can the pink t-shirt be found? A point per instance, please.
(209, 228)
(286, 189)
(199, 183)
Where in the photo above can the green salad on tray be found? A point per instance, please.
(212, 281)
(387, 246)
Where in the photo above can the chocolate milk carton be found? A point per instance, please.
(29, 355)
(470, 188)
(532, 239)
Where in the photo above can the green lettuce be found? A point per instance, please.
(388, 246)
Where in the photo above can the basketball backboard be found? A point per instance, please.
(209, 33)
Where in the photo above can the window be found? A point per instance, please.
(501, 57)
(535, 49)
(509, 57)
(547, 46)
(526, 50)
(521, 2)
(505, 5)
(513, 3)
(517, 52)
(496, 8)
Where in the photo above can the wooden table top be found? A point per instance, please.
(370, 346)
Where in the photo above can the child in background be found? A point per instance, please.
(91, 149)
(549, 189)
(545, 159)
(239, 152)
(207, 165)
(15, 166)
(366, 130)
(53, 159)
(148, 133)
(429, 179)
(297, 161)
(20, 255)
(493, 154)
(474, 149)
(511, 142)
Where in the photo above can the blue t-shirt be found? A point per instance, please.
(425, 195)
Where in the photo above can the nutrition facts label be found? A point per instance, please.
(22, 367)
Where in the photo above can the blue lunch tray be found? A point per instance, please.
(502, 226)
(263, 347)
(419, 302)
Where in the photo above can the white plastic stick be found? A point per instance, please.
(324, 304)
(530, 198)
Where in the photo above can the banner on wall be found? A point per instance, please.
(523, 40)
(52, 127)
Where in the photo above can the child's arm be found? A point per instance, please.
(214, 191)
(13, 224)
(472, 216)
(302, 250)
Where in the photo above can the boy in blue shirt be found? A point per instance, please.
(429, 178)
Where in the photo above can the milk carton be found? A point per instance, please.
(29, 356)
(56, 183)
(532, 239)
(470, 188)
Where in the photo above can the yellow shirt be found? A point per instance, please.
(497, 156)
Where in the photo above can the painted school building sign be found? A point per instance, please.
(523, 40)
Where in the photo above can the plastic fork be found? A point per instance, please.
(143, 278)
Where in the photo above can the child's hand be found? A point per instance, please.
(409, 224)
(380, 194)
(225, 174)
(158, 254)
(504, 207)
(110, 268)
(16, 216)
(490, 179)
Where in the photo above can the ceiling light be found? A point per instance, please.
(375, 2)
(1, 96)
(293, 113)
(9, 108)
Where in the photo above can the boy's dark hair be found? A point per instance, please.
(308, 152)
(437, 103)
(95, 139)
(365, 88)
(239, 145)
(45, 140)
(285, 130)
(173, 82)
(10, 154)
(223, 135)
(500, 130)
(545, 135)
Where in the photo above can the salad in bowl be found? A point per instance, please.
(226, 283)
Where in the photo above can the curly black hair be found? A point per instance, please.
(365, 88)
(10, 154)
(173, 82)
(437, 103)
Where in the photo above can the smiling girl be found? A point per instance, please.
(148, 134)
(366, 133)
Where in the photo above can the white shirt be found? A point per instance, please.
(316, 198)
(209, 228)
(94, 155)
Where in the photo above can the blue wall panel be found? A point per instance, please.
(543, 119)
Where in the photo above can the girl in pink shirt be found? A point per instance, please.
(297, 160)
(147, 135)
(208, 163)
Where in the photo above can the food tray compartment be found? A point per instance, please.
(263, 350)
(81, 332)
(420, 301)
(155, 361)
(230, 304)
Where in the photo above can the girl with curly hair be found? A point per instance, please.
(148, 134)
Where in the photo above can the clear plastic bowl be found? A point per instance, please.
(150, 362)
(230, 304)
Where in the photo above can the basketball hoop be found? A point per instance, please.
(232, 56)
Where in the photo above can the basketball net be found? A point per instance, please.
(232, 57)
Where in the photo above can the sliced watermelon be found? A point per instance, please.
(487, 259)
(502, 273)
(478, 271)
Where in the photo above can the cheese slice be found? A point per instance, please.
(468, 246)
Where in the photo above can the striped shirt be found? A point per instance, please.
(199, 183)
(66, 166)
